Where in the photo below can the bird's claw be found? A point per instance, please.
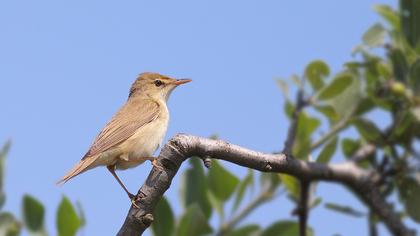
(133, 199)
(156, 165)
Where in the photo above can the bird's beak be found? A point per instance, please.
(181, 81)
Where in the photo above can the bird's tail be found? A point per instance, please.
(82, 166)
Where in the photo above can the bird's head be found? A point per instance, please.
(154, 85)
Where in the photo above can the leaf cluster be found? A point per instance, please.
(383, 81)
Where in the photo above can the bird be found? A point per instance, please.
(135, 132)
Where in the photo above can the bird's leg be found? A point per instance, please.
(153, 160)
(132, 197)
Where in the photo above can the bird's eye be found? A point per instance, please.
(158, 83)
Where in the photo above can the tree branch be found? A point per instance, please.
(183, 146)
(302, 205)
(303, 210)
(291, 133)
(373, 231)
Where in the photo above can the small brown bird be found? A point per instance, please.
(135, 132)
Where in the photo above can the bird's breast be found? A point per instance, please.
(146, 139)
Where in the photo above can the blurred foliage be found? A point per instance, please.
(33, 212)
(384, 78)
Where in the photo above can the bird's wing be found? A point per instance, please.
(132, 116)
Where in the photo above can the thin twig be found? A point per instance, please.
(363, 152)
(337, 127)
(262, 198)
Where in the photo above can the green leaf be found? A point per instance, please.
(344, 209)
(365, 105)
(382, 103)
(355, 65)
(292, 186)
(316, 72)
(405, 187)
(2, 198)
(9, 226)
(247, 230)
(283, 87)
(389, 15)
(375, 36)
(328, 112)
(216, 204)
(296, 80)
(285, 228)
(368, 130)
(410, 18)
(399, 64)
(349, 146)
(5, 149)
(328, 151)
(306, 126)
(289, 108)
(3, 153)
(415, 76)
(337, 86)
(81, 214)
(371, 73)
(384, 70)
(164, 220)
(412, 205)
(345, 103)
(193, 222)
(405, 129)
(248, 181)
(67, 220)
(315, 202)
(221, 182)
(409, 192)
(33, 214)
(194, 187)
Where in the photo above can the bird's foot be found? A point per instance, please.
(133, 199)
(155, 164)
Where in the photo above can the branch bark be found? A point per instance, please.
(303, 209)
(183, 146)
(373, 231)
(291, 134)
(302, 205)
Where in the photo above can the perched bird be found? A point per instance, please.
(135, 131)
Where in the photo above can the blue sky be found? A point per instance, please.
(66, 67)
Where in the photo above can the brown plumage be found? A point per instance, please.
(136, 130)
